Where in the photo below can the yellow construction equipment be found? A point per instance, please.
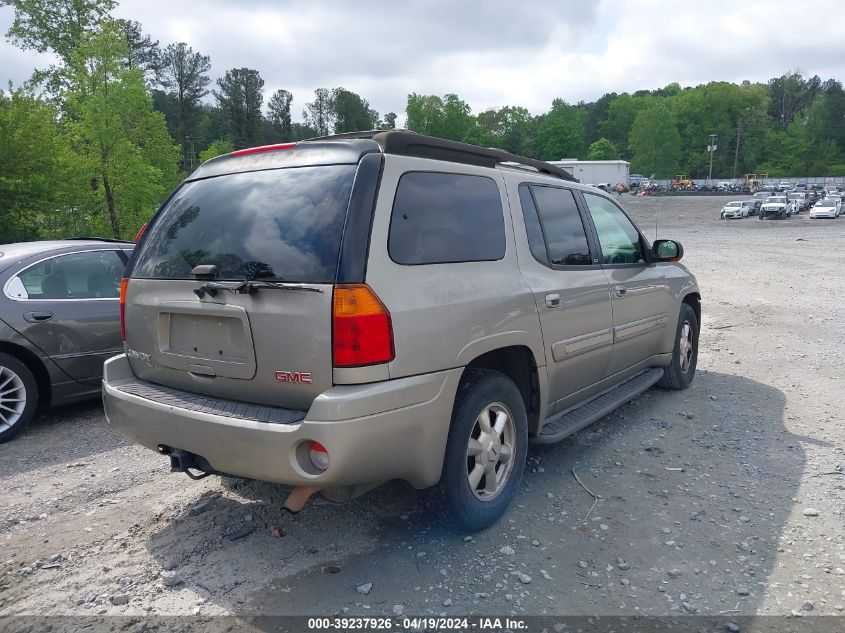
(755, 181)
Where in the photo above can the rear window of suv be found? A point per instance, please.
(443, 218)
(280, 224)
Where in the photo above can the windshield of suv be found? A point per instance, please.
(776, 200)
(282, 224)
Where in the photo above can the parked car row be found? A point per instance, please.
(767, 204)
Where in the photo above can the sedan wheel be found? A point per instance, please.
(12, 398)
(18, 396)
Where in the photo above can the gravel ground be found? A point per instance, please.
(725, 498)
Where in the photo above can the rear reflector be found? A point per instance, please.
(263, 148)
(363, 334)
(319, 456)
(123, 283)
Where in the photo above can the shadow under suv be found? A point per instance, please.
(336, 313)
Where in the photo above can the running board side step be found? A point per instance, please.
(585, 414)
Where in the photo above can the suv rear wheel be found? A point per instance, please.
(485, 454)
(681, 370)
(18, 396)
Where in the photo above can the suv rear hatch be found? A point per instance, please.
(257, 325)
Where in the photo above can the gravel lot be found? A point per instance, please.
(725, 498)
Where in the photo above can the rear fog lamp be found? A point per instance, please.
(319, 456)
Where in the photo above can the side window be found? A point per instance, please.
(619, 239)
(440, 218)
(554, 226)
(88, 275)
(536, 241)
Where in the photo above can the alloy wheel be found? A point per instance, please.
(12, 398)
(685, 346)
(490, 451)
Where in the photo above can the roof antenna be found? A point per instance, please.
(657, 211)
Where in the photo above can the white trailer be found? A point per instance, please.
(597, 172)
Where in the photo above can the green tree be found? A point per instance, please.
(602, 149)
(239, 98)
(655, 142)
(279, 114)
(390, 121)
(730, 111)
(55, 25)
(561, 132)
(790, 93)
(183, 74)
(510, 128)
(596, 115)
(826, 122)
(125, 155)
(217, 148)
(144, 53)
(621, 113)
(350, 112)
(38, 167)
(446, 117)
(319, 113)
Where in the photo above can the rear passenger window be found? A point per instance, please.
(85, 275)
(558, 225)
(441, 218)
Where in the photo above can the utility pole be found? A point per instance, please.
(190, 139)
(711, 148)
(738, 133)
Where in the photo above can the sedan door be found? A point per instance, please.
(570, 290)
(67, 305)
(642, 304)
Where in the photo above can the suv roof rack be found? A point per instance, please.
(407, 143)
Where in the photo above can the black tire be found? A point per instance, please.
(13, 371)
(453, 498)
(676, 376)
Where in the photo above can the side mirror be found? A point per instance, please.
(667, 250)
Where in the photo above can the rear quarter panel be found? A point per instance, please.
(445, 315)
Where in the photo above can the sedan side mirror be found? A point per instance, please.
(667, 250)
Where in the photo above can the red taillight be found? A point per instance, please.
(363, 334)
(140, 232)
(123, 283)
(263, 148)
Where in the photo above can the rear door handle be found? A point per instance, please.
(38, 317)
(620, 291)
(553, 300)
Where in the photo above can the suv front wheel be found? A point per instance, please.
(681, 370)
(485, 453)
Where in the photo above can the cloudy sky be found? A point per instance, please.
(490, 52)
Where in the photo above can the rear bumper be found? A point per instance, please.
(396, 429)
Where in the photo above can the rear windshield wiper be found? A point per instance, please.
(246, 287)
